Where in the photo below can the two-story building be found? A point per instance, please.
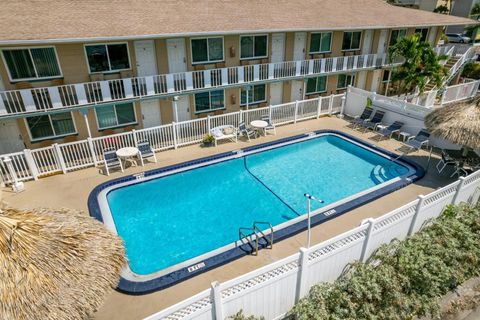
(74, 69)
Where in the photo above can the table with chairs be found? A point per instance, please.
(118, 158)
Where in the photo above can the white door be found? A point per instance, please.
(299, 46)
(367, 41)
(382, 42)
(278, 47)
(276, 93)
(297, 90)
(146, 62)
(177, 61)
(183, 108)
(10, 137)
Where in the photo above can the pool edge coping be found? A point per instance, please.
(182, 274)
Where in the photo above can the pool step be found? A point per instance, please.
(381, 174)
(254, 238)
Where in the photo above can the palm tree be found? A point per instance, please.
(421, 65)
(475, 10)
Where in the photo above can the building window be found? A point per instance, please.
(395, 35)
(256, 94)
(207, 50)
(386, 76)
(423, 32)
(253, 47)
(345, 80)
(320, 42)
(107, 57)
(118, 115)
(316, 85)
(32, 63)
(51, 126)
(351, 40)
(209, 101)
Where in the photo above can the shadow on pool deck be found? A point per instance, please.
(71, 190)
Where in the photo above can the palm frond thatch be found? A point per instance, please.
(55, 264)
(458, 123)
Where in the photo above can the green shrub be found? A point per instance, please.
(403, 279)
(241, 316)
(471, 70)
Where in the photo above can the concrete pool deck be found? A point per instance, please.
(71, 190)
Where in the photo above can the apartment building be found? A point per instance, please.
(72, 70)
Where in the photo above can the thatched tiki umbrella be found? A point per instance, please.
(458, 123)
(55, 264)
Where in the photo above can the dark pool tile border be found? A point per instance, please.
(175, 277)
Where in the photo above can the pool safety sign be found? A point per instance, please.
(196, 267)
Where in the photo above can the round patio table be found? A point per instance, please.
(259, 125)
(127, 153)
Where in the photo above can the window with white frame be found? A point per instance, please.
(345, 80)
(423, 32)
(32, 63)
(207, 50)
(51, 126)
(252, 47)
(109, 57)
(320, 42)
(316, 85)
(351, 40)
(395, 35)
(256, 94)
(118, 115)
(209, 101)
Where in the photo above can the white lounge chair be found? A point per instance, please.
(226, 132)
(111, 160)
(270, 126)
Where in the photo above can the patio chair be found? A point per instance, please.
(367, 112)
(111, 160)
(270, 126)
(145, 151)
(446, 160)
(388, 132)
(417, 142)
(374, 122)
(246, 131)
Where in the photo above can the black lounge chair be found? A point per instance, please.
(111, 160)
(374, 122)
(145, 151)
(367, 112)
(388, 132)
(416, 143)
(246, 131)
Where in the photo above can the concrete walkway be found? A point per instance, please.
(71, 190)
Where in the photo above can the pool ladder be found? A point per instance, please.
(253, 235)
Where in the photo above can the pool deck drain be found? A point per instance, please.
(71, 191)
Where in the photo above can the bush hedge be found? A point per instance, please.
(403, 279)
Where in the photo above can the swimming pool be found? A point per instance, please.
(184, 219)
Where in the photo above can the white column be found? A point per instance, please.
(365, 249)
(84, 112)
(175, 108)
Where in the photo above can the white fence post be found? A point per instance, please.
(371, 222)
(92, 150)
(208, 124)
(60, 158)
(270, 113)
(174, 129)
(459, 189)
(330, 105)
(240, 116)
(31, 163)
(302, 275)
(217, 300)
(421, 200)
(342, 107)
(135, 140)
(296, 111)
(319, 107)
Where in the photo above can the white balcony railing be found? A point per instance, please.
(16, 102)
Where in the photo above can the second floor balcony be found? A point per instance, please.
(73, 96)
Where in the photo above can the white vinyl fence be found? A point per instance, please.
(65, 157)
(271, 291)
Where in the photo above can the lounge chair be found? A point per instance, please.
(417, 142)
(388, 132)
(145, 151)
(374, 122)
(111, 160)
(246, 131)
(446, 160)
(270, 126)
(367, 112)
(224, 132)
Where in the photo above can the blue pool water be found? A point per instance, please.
(169, 220)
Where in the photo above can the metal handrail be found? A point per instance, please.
(269, 241)
(248, 237)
